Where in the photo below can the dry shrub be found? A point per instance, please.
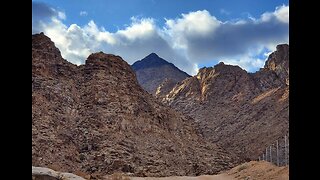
(242, 168)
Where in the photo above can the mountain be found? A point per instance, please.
(242, 112)
(152, 70)
(96, 119)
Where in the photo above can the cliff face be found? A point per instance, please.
(152, 71)
(243, 112)
(96, 118)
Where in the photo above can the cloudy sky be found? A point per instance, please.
(189, 33)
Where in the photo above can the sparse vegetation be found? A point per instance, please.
(242, 167)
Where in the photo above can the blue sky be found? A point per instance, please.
(188, 33)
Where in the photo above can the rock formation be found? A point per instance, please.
(243, 112)
(95, 118)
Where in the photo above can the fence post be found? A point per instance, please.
(277, 153)
(285, 149)
(271, 153)
(263, 157)
(288, 149)
(267, 154)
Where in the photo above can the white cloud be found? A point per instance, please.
(281, 13)
(199, 23)
(230, 40)
(59, 14)
(191, 39)
(140, 28)
(247, 63)
(99, 35)
(83, 13)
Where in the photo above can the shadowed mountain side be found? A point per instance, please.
(152, 71)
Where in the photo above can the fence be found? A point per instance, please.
(277, 153)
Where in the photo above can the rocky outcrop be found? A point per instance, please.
(152, 71)
(95, 118)
(41, 173)
(278, 62)
(243, 112)
(165, 87)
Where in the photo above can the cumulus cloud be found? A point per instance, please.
(191, 39)
(281, 14)
(190, 26)
(245, 62)
(132, 43)
(83, 13)
(227, 39)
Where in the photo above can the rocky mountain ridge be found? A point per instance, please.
(243, 112)
(95, 118)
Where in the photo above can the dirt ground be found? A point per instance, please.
(205, 177)
(253, 170)
(261, 170)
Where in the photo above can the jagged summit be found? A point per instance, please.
(152, 60)
(153, 70)
(44, 43)
(109, 62)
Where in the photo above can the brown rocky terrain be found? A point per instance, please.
(243, 112)
(261, 170)
(96, 119)
(252, 170)
(153, 71)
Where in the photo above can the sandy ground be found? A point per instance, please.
(205, 177)
(253, 170)
(261, 170)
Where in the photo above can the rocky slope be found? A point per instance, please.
(243, 112)
(152, 71)
(255, 170)
(261, 170)
(96, 119)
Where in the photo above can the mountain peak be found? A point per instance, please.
(45, 55)
(278, 62)
(152, 60)
(282, 47)
(153, 70)
(152, 55)
(41, 42)
(220, 68)
(101, 56)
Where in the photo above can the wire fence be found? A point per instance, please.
(277, 153)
